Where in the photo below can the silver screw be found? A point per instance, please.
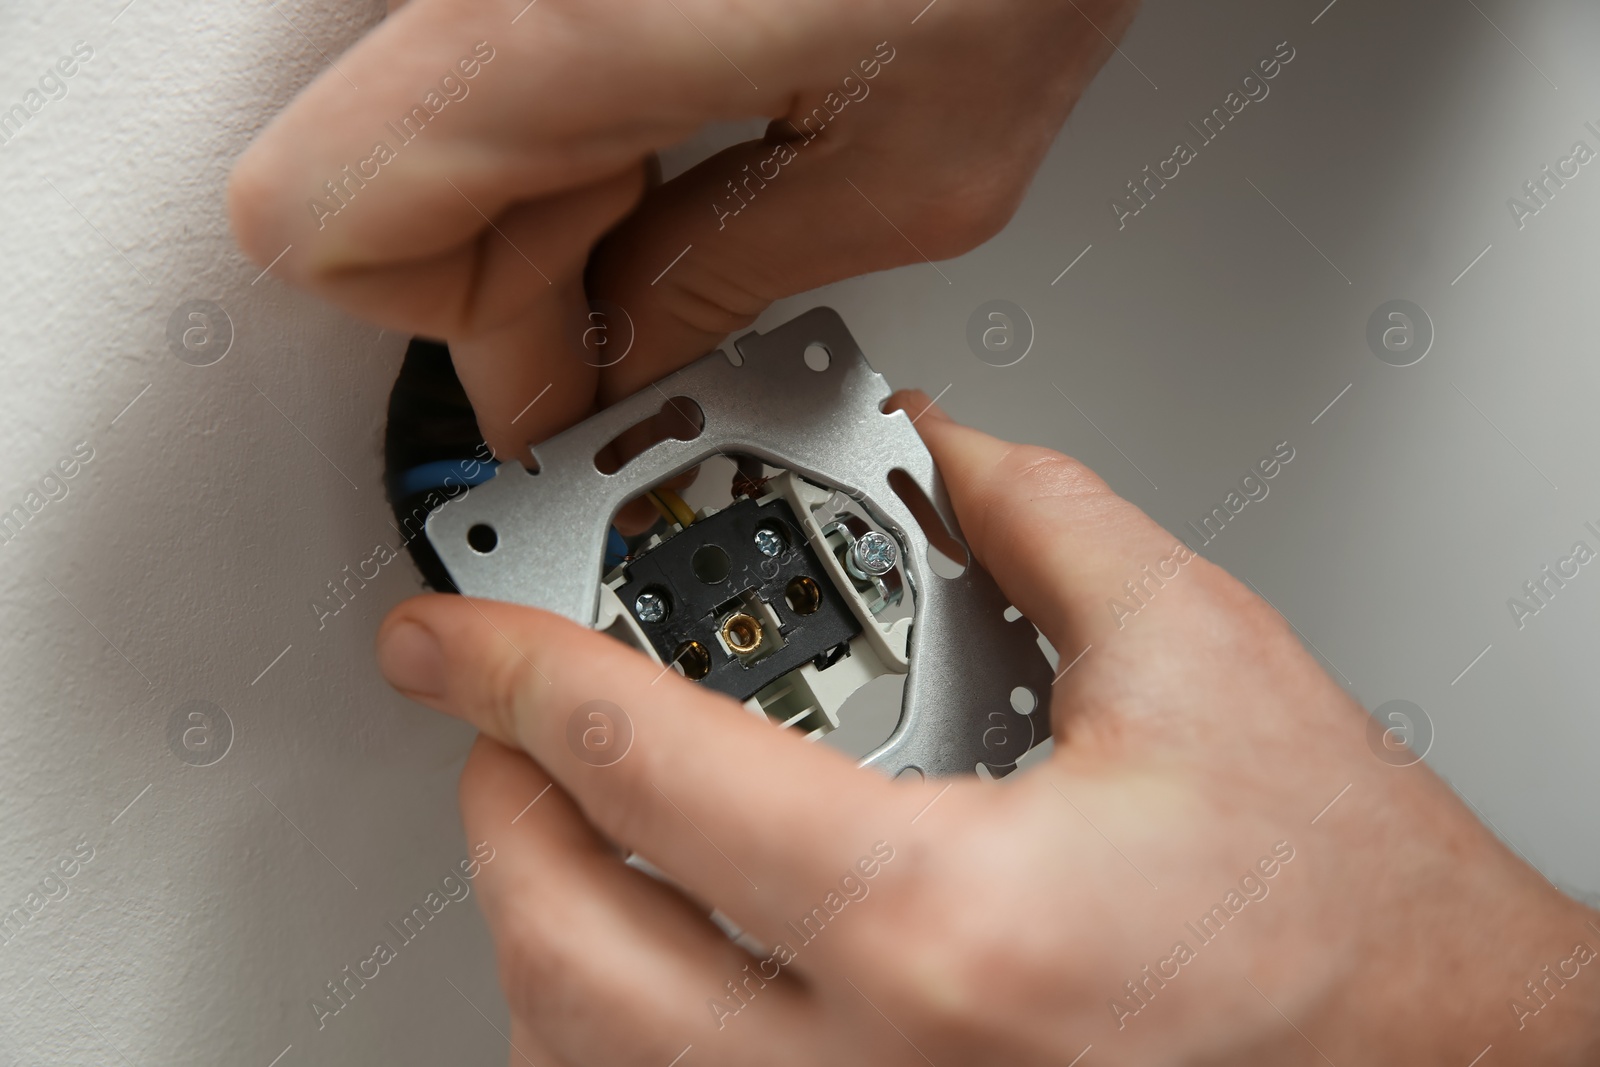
(651, 607)
(873, 554)
(768, 542)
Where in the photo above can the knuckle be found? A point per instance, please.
(718, 302)
(1230, 597)
(1027, 492)
(1256, 621)
(961, 213)
(1048, 472)
(617, 795)
(1027, 476)
(949, 949)
(553, 978)
(512, 687)
(529, 959)
(626, 809)
(909, 897)
(470, 787)
(1234, 620)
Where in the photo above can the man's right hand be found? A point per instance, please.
(1210, 867)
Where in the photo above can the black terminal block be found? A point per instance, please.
(739, 599)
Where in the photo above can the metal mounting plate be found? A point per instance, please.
(827, 426)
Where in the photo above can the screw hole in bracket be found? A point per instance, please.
(947, 556)
(943, 565)
(818, 357)
(482, 539)
(680, 419)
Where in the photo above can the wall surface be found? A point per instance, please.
(242, 804)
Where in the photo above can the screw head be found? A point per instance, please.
(651, 606)
(874, 554)
(768, 541)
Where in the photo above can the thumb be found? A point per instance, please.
(1055, 537)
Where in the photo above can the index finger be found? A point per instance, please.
(457, 95)
(745, 816)
(449, 175)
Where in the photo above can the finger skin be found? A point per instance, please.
(512, 306)
(1013, 913)
(454, 236)
(584, 939)
(810, 226)
(745, 816)
(1049, 530)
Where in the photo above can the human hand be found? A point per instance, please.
(536, 126)
(1210, 787)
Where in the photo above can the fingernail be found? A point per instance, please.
(411, 660)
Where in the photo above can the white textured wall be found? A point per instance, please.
(177, 567)
(182, 559)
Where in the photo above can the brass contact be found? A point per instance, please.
(694, 659)
(741, 632)
(803, 595)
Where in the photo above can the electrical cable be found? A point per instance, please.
(681, 513)
(433, 453)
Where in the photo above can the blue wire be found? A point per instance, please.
(434, 475)
(616, 548)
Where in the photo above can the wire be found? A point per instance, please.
(685, 514)
(660, 506)
(437, 475)
(616, 548)
(677, 511)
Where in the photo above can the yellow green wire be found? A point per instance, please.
(680, 512)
